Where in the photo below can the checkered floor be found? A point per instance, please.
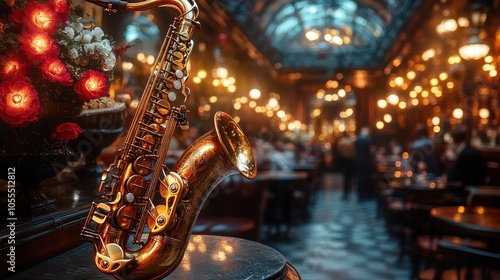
(343, 240)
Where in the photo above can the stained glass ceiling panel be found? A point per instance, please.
(351, 33)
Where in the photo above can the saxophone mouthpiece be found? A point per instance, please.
(110, 5)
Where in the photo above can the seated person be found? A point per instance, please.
(423, 154)
(469, 166)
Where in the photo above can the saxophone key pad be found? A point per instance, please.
(177, 84)
(130, 197)
(179, 73)
(172, 96)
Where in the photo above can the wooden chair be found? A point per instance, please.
(235, 208)
(471, 263)
(488, 196)
(418, 236)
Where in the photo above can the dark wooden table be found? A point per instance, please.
(477, 221)
(281, 186)
(207, 257)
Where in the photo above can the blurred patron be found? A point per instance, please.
(346, 152)
(423, 154)
(282, 157)
(467, 165)
(364, 161)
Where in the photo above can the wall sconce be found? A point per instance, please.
(475, 48)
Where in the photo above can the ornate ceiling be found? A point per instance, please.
(363, 30)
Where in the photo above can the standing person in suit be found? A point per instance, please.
(346, 151)
(469, 166)
(365, 164)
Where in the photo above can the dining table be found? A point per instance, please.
(478, 221)
(282, 186)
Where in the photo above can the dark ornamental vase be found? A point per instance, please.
(30, 155)
(101, 127)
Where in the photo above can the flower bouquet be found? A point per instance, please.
(51, 62)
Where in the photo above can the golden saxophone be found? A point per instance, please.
(142, 228)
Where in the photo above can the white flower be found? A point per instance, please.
(77, 26)
(73, 53)
(86, 37)
(109, 62)
(104, 47)
(90, 48)
(70, 32)
(78, 38)
(97, 33)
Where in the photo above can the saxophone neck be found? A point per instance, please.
(187, 7)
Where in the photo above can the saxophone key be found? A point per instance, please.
(113, 259)
(143, 165)
(140, 149)
(179, 61)
(177, 56)
(157, 219)
(156, 128)
(179, 74)
(100, 213)
(159, 119)
(161, 219)
(172, 186)
(136, 184)
(170, 95)
(177, 84)
(163, 107)
(127, 217)
(89, 235)
(148, 142)
(179, 65)
(184, 36)
(181, 47)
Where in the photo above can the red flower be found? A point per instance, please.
(61, 7)
(66, 131)
(91, 86)
(42, 16)
(12, 66)
(17, 16)
(55, 70)
(121, 49)
(38, 46)
(19, 104)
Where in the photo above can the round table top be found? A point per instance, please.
(207, 257)
(479, 219)
(218, 257)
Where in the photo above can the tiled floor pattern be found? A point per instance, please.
(343, 240)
